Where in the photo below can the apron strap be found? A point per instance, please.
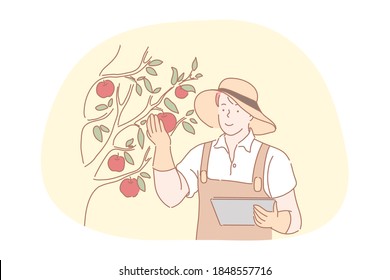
(205, 162)
(258, 172)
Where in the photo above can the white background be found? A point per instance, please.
(348, 42)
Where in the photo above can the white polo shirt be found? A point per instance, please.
(279, 177)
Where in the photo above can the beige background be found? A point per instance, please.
(292, 94)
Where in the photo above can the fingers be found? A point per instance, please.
(259, 222)
(149, 125)
(153, 124)
(261, 211)
(264, 218)
(160, 126)
(260, 216)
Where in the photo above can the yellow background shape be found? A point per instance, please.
(291, 92)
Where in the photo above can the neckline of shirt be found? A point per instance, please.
(245, 143)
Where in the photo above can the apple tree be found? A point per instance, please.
(113, 140)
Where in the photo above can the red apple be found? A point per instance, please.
(169, 121)
(105, 88)
(116, 163)
(129, 187)
(180, 92)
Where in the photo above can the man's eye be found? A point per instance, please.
(223, 110)
(237, 111)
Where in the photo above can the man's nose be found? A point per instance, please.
(228, 113)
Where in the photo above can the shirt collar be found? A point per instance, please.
(246, 143)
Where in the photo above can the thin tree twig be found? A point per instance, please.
(125, 101)
(110, 61)
(137, 70)
(177, 124)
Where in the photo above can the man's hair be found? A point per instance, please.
(217, 95)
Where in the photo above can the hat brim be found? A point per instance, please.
(207, 110)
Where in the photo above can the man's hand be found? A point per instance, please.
(156, 132)
(279, 221)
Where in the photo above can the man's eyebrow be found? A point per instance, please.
(223, 104)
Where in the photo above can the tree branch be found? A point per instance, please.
(112, 128)
(125, 101)
(110, 61)
(145, 161)
(137, 70)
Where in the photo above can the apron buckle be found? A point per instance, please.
(203, 176)
(257, 184)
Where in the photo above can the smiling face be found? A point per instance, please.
(232, 118)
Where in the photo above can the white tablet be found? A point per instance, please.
(238, 211)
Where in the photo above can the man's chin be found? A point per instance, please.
(230, 132)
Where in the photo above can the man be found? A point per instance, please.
(236, 165)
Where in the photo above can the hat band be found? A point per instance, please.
(246, 100)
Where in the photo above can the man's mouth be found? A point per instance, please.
(228, 124)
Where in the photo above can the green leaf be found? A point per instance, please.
(138, 89)
(101, 107)
(148, 85)
(141, 138)
(193, 121)
(129, 142)
(199, 75)
(110, 102)
(188, 88)
(189, 113)
(129, 158)
(151, 71)
(181, 77)
(98, 133)
(145, 175)
(194, 64)
(188, 127)
(141, 183)
(143, 122)
(157, 90)
(174, 76)
(104, 128)
(171, 106)
(155, 62)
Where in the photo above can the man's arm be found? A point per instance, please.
(170, 185)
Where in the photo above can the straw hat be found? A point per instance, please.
(244, 94)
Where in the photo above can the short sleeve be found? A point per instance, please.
(280, 176)
(189, 167)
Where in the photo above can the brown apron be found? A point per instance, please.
(208, 224)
